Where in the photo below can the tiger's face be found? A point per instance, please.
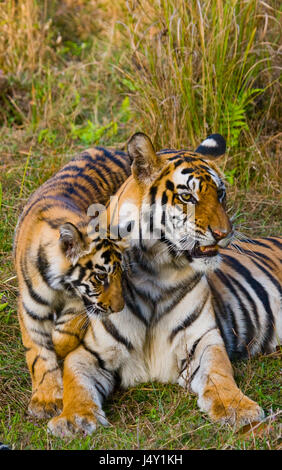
(183, 200)
(192, 217)
(95, 275)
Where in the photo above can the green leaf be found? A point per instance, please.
(129, 84)
(92, 134)
(229, 176)
(4, 305)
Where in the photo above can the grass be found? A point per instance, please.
(78, 73)
(150, 416)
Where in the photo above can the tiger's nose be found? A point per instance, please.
(117, 303)
(219, 234)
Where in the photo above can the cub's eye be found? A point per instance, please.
(187, 197)
(101, 277)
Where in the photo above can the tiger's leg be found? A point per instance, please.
(46, 376)
(69, 330)
(86, 384)
(210, 376)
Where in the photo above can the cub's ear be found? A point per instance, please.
(146, 162)
(212, 147)
(72, 241)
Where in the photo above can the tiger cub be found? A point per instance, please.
(65, 275)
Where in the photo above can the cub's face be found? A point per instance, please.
(97, 279)
(95, 274)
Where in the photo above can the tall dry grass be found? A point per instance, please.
(81, 72)
(24, 39)
(55, 65)
(32, 32)
(197, 66)
(189, 68)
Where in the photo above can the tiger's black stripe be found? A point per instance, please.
(269, 275)
(34, 295)
(60, 202)
(256, 254)
(100, 361)
(130, 301)
(260, 243)
(48, 372)
(260, 292)
(33, 364)
(69, 189)
(112, 330)
(40, 333)
(249, 327)
(55, 223)
(195, 344)
(43, 265)
(100, 388)
(35, 316)
(190, 319)
(249, 298)
(189, 286)
(47, 345)
(274, 241)
(115, 160)
(140, 261)
(191, 378)
(182, 292)
(222, 320)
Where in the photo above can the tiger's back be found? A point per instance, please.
(90, 177)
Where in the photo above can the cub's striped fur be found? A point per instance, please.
(191, 303)
(62, 272)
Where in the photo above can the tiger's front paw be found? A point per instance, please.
(43, 408)
(235, 409)
(47, 400)
(67, 425)
(47, 396)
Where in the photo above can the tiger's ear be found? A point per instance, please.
(212, 147)
(72, 241)
(145, 160)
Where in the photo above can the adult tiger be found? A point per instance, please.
(185, 312)
(61, 271)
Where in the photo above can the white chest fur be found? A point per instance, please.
(158, 348)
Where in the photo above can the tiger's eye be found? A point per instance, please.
(187, 197)
(101, 277)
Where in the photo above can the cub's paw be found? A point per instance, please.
(236, 410)
(47, 397)
(67, 425)
(44, 408)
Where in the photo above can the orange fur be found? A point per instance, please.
(80, 411)
(56, 261)
(170, 329)
(221, 397)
